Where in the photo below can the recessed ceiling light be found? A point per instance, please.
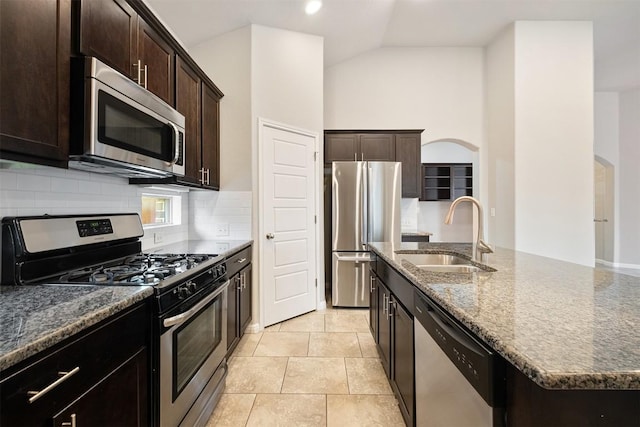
(312, 6)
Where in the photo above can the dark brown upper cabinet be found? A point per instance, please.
(188, 104)
(35, 81)
(408, 151)
(199, 102)
(112, 31)
(357, 145)
(379, 145)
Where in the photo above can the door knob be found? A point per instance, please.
(270, 236)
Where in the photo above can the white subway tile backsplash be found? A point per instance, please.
(231, 207)
(33, 182)
(16, 199)
(8, 181)
(65, 185)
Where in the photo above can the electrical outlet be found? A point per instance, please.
(158, 238)
(222, 229)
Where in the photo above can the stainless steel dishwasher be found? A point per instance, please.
(459, 381)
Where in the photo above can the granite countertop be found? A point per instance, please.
(36, 317)
(564, 325)
(416, 233)
(221, 247)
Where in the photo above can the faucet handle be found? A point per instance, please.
(484, 247)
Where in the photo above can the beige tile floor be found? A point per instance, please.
(319, 369)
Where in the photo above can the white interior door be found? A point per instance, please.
(288, 229)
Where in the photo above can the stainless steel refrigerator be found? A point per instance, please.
(366, 208)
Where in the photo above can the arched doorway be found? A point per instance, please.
(603, 210)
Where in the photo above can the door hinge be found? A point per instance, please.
(316, 283)
(315, 219)
(315, 156)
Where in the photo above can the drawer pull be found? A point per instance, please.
(71, 423)
(241, 260)
(35, 395)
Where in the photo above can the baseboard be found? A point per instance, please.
(618, 264)
(252, 328)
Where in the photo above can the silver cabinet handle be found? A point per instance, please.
(243, 280)
(392, 304)
(145, 75)
(207, 175)
(385, 303)
(371, 280)
(71, 423)
(270, 236)
(241, 260)
(35, 395)
(239, 283)
(138, 66)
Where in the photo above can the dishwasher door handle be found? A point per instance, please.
(457, 335)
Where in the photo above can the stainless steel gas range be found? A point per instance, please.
(190, 298)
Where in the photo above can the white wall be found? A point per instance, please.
(629, 202)
(500, 97)
(554, 139)
(436, 89)
(38, 190)
(540, 132)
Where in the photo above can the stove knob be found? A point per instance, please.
(223, 268)
(183, 292)
(193, 287)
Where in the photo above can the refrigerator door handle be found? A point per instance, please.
(364, 208)
(354, 258)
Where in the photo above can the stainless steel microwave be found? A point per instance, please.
(118, 127)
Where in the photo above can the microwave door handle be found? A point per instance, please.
(176, 147)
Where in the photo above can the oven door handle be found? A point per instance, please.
(183, 317)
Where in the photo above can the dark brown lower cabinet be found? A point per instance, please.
(125, 405)
(373, 303)
(238, 297)
(99, 378)
(529, 405)
(396, 349)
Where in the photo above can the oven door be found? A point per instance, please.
(192, 346)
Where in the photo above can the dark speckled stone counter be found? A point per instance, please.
(564, 325)
(220, 247)
(34, 318)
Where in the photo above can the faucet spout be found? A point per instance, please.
(480, 247)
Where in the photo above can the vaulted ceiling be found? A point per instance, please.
(351, 27)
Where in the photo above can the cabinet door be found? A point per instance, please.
(108, 32)
(377, 147)
(403, 358)
(117, 400)
(408, 152)
(245, 299)
(35, 41)
(211, 136)
(233, 300)
(157, 62)
(188, 104)
(373, 305)
(340, 147)
(384, 327)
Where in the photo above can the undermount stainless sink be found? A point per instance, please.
(444, 263)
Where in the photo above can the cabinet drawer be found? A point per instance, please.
(397, 284)
(86, 360)
(238, 261)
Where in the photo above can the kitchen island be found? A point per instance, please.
(568, 333)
